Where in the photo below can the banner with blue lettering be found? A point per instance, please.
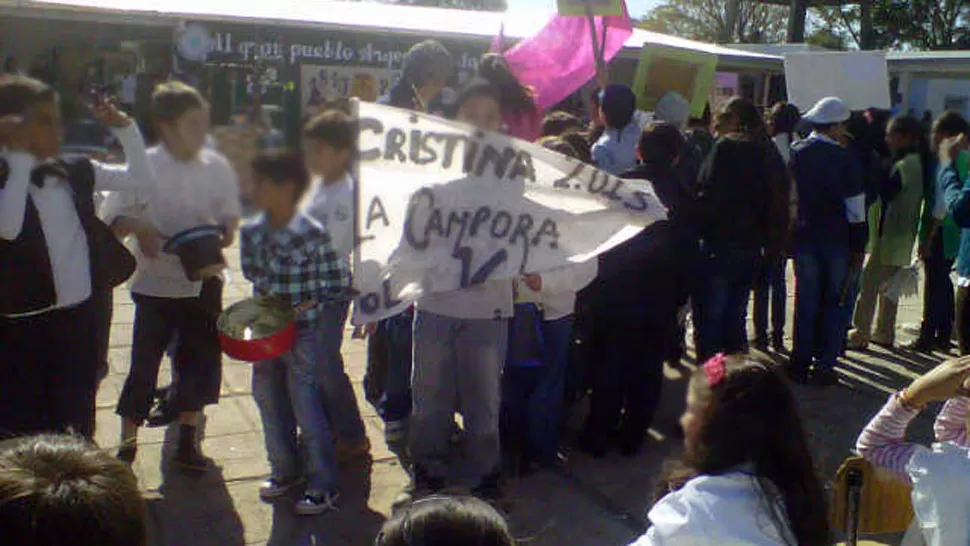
(442, 206)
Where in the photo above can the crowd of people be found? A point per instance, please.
(745, 193)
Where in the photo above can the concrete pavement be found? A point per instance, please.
(587, 502)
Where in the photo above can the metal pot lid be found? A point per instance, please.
(255, 318)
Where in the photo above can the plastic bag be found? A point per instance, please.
(941, 493)
(903, 283)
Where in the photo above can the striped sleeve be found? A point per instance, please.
(951, 423)
(881, 442)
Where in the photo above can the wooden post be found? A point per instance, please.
(796, 21)
(731, 16)
(601, 76)
(865, 24)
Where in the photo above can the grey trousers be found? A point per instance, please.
(457, 368)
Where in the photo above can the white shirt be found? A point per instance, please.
(725, 510)
(489, 300)
(783, 143)
(333, 206)
(67, 244)
(559, 287)
(200, 192)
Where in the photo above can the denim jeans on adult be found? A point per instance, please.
(287, 394)
(457, 368)
(396, 402)
(532, 396)
(938, 296)
(821, 313)
(721, 290)
(772, 285)
(332, 377)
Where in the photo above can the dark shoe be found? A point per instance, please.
(943, 343)
(595, 445)
(314, 505)
(778, 343)
(489, 489)
(422, 485)
(824, 378)
(760, 344)
(274, 488)
(187, 456)
(127, 454)
(162, 414)
(797, 374)
(919, 345)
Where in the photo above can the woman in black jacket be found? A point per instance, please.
(639, 288)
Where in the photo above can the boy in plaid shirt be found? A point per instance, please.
(287, 254)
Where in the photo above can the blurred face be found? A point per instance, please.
(186, 137)
(43, 127)
(897, 141)
(481, 112)
(324, 160)
(273, 198)
(431, 89)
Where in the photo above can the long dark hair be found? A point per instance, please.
(749, 420)
(750, 121)
(516, 98)
(784, 118)
(914, 128)
(425, 62)
(446, 521)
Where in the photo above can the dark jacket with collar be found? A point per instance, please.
(26, 274)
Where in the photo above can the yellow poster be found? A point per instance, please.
(664, 69)
(598, 7)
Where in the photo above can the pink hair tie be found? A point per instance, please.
(715, 369)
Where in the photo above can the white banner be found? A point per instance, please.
(442, 206)
(860, 78)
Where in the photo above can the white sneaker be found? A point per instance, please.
(275, 488)
(312, 505)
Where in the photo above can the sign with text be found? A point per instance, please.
(596, 7)
(664, 70)
(321, 84)
(443, 206)
(860, 78)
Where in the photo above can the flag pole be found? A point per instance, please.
(355, 176)
(601, 75)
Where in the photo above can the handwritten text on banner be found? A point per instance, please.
(443, 206)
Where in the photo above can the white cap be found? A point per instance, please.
(828, 111)
(672, 108)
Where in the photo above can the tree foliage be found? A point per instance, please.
(706, 20)
(897, 24)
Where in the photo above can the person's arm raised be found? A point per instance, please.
(137, 173)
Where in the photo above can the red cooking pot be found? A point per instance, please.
(257, 329)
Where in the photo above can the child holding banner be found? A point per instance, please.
(329, 144)
(459, 351)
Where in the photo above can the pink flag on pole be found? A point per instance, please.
(559, 59)
(498, 42)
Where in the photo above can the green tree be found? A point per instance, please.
(827, 39)
(706, 20)
(898, 24)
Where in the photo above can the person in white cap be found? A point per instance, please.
(828, 241)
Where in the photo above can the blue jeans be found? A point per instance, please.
(821, 319)
(532, 396)
(771, 286)
(287, 395)
(722, 286)
(396, 402)
(332, 377)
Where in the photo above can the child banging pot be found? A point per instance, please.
(196, 187)
(287, 254)
(747, 476)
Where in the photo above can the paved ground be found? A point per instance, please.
(588, 502)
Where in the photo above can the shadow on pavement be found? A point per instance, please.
(193, 505)
(353, 524)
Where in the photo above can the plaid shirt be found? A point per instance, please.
(296, 263)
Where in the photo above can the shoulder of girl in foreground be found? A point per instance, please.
(214, 157)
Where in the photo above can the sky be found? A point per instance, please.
(637, 8)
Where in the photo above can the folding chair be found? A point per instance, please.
(869, 501)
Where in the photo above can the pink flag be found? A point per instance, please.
(498, 42)
(559, 58)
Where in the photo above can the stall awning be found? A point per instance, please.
(360, 16)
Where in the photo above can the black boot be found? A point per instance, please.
(187, 455)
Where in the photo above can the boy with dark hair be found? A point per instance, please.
(196, 187)
(57, 259)
(558, 123)
(289, 255)
(63, 490)
(329, 145)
